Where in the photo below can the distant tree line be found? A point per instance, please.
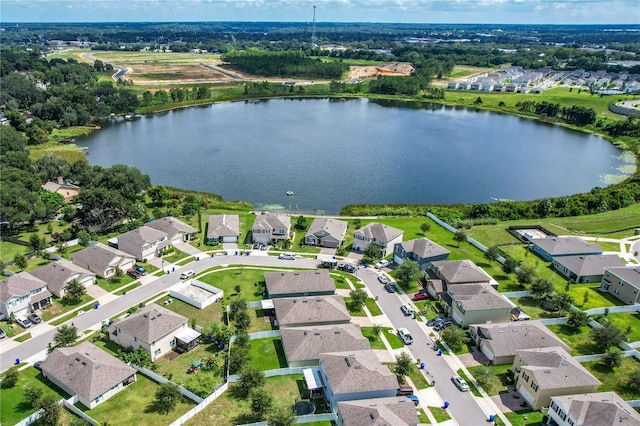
(578, 115)
(284, 64)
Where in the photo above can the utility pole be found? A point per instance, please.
(313, 28)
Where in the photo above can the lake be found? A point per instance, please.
(330, 153)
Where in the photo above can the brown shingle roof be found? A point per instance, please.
(86, 369)
(477, 297)
(150, 323)
(505, 338)
(590, 264)
(58, 274)
(379, 232)
(171, 226)
(325, 226)
(424, 248)
(99, 256)
(291, 282)
(600, 408)
(142, 236)
(395, 411)
(272, 221)
(629, 274)
(357, 371)
(223, 225)
(311, 309)
(566, 245)
(554, 368)
(19, 285)
(307, 343)
(461, 271)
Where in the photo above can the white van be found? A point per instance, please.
(187, 274)
(405, 336)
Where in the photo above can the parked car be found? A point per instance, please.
(133, 273)
(443, 325)
(435, 321)
(413, 399)
(2, 334)
(287, 256)
(405, 336)
(140, 269)
(421, 295)
(383, 279)
(349, 268)
(407, 310)
(460, 383)
(263, 247)
(389, 288)
(382, 264)
(256, 246)
(37, 365)
(404, 390)
(187, 274)
(23, 322)
(34, 318)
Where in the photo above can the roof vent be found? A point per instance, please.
(305, 333)
(305, 301)
(84, 363)
(145, 315)
(77, 359)
(336, 332)
(317, 333)
(372, 415)
(346, 359)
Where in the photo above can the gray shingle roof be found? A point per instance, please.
(307, 343)
(460, 272)
(150, 323)
(171, 226)
(291, 282)
(312, 309)
(505, 338)
(395, 411)
(58, 274)
(223, 225)
(554, 368)
(142, 236)
(19, 285)
(478, 297)
(86, 369)
(590, 264)
(629, 274)
(424, 248)
(99, 256)
(322, 227)
(598, 409)
(566, 245)
(272, 221)
(379, 232)
(357, 371)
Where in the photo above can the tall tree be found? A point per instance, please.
(459, 237)
(372, 252)
(606, 336)
(167, 397)
(407, 273)
(403, 365)
(74, 291)
(358, 298)
(492, 253)
(250, 378)
(261, 401)
(65, 335)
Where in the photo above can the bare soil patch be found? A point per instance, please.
(368, 72)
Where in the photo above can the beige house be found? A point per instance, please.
(396, 411)
(302, 311)
(325, 232)
(103, 260)
(155, 329)
(67, 190)
(597, 409)
(271, 228)
(623, 283)
(384, 236)
(499, 342)
(547, 372)
(23, 293)
(223, 228)
(60, 273)
(355, 375)
(422, 251)
(144, 243)
(303, 345)
(478, 304)
(299, 283)
(87, 371)
(177, 231)
(453, 272)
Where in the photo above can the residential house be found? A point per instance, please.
(422, 251)
(144, 243)
(271, 228)
(299, 283)
(60, 273)
(325, 232)
(303, 345)
(223, 228)
(623, 283)
(597, 409)
(454, 272)
(88, 372)
(176, 230)
(155, 329)
(353, 375)
(586, 269)
(396, 411)
(478, 304)
(302, 311)
(103, 260)
(384, 236)
(499, 342)
(23, 293)
(550, 248)
(67, 190)
(546, 372)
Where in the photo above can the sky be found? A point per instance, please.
(407, 11)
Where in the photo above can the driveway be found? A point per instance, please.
(188, 248)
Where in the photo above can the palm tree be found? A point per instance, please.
(460, 236)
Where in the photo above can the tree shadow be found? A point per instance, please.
(282, 358)
(156, 407)
(302, 389)
(245, 418)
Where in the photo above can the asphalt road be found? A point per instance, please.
(462, 406)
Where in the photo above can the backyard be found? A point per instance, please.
(615, 379)
(267, 354)
(578, 340)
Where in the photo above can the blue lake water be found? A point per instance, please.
(331, 153)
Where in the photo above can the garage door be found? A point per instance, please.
(487, 352)
(526, 395)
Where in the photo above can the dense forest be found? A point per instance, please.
(284, 64)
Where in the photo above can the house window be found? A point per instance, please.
(571, 423)
(525, 377)
(172, 343)
(534, 386)
(135, 339)
(157, 352)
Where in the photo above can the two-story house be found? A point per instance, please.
(271, 228)
(623, 283)
(67, 190)
(422, 251)
(144, 243)
(103, 260)
(23, 293)
(60, 273)
(384, 236)
(597, 409)
(177, 231)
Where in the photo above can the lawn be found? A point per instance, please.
(176, 369)
(616, 379)
(250, 280)
(267, 354)
(627, 322)
(578, 340)
(525, 418)
(440, 414)
(376, 342)
(370, 303)
(111, 286)
(12, 408)
(60, 307)
(175, 257)
(135, 405)
(595, 298)
(203, 317)
(229, 409)
(501, 372)
(9, 250)
(531, 306)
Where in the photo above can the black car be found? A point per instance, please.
(349, 268)
(389, 288)
(140, 269)
(34, 318)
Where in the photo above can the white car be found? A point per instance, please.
(23, 322)
(187, 274)
(460, 383)
(407, 310)
(405, 336)
(287, 256)
(383, 279)
(382, 264)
